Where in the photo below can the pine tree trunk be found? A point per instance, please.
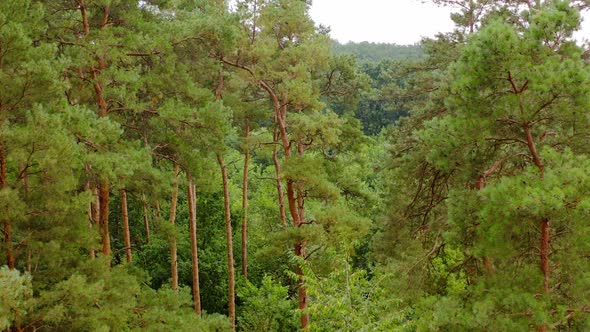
(230, 249)
(91, 251)
(480, 184)
(544, 254)
(158, 210)
(192, 208)
(245, 205)
(173, 249)
(545, 237)
(146, 221)
(3, 167)
(544, 261)
(296, 208)
(29, 259)
(95, 205)
(228, 228)
(104, 197)
(300, 251)
(301, 289)
(104, 190)
(10, 260)
(126, 231)
(280, 190)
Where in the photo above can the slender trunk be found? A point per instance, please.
(280, 110)
(533, 150)
(245, 204)
(95, 215)
(97, 84)
(98, 89)
(296, 208)
(146, 221)
(280, 114)
(302, 290)
(29, 257)
(544, 236)
(230, 250)
(300, 195)
(192, 208)
(100, 208)
(84, 13)
(103, 198)
(104, 190)
(3, 167)
(300, 251)
(481, 184)
(158, 210)
(10, 260)
(173, 249)
(228, 228)
(90, 213)
(280, 190)
(544, 254)
(126, 232)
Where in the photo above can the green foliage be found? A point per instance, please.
(154, 313)
(266, 308)
(376, 52)
(478, 141)
(348, 300)
(495, 172)
(16, 299)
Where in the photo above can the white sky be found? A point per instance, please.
(388, 21)
(391, 21)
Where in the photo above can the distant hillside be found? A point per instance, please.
(366, 51)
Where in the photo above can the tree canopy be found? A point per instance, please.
(199, 165)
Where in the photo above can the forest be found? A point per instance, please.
(212, 165)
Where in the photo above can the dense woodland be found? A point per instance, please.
(199, 165)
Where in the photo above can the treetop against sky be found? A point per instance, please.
(402, 22)
(385, 21)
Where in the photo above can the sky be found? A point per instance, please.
(389, 21)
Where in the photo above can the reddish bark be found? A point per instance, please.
(296, 208)
(146, 221)
(84, 13)
(29, 259)
(103, 187)
(280, 190)
(302, 290)
(245, 203)
(228, 228)
(103, 199)
(173, 248)
(192, 208)
(10, 259)
(230, 249)
(480, 184)
(91, 251)
(126, 231)
(533, 149)
(98, 90)
(3, 167)
(544, 254)
(95, 207)
(280, 113)
(545, 236)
